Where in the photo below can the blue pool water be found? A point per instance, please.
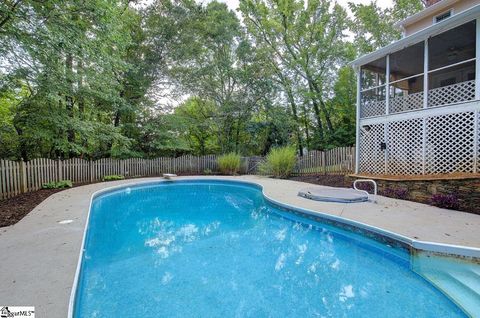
(218, 249)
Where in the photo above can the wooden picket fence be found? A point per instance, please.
(334, 161)
(20, 177)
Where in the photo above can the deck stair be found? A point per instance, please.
(458, 279)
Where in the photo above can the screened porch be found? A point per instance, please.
(418, 107)
(436, 72)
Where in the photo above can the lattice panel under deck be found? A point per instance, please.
(373, 108)
(407, 102)
(372, 158)
(450, 143)
(450, 94)
(405, 147)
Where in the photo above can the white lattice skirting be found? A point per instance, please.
(428, 142)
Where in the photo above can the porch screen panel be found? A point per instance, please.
(373, 89)
(406, 79)
(451, 76)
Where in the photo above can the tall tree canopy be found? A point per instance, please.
(114, 78)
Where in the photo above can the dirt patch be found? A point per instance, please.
(14, 209)
(325, 180)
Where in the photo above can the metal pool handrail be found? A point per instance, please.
(368, 194)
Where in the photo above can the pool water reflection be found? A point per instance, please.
(218, 249)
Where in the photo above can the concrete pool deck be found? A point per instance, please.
(40, 255)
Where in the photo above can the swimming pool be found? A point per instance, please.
(219, 249)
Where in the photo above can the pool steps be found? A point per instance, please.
(459, 280)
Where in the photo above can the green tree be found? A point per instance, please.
(373, 27)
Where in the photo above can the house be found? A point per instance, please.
(418, 99)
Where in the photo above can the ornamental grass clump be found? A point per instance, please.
(229, 163)
(280, 162)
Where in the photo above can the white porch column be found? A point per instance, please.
(387, 86)
(425, 105)
(387, 110)
(477, 61)
(425, 74)
(357, 136)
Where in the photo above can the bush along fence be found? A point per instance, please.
(20, 177)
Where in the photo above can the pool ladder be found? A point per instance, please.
(368, 194)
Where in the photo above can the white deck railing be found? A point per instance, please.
(451, 94)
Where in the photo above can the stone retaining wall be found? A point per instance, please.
(465, 191)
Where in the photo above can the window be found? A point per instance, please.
(443, 16)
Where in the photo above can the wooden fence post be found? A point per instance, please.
(90, 170)
(23, 177)
(324, 153)
(59, 170)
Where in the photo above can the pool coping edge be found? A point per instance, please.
(442, 249)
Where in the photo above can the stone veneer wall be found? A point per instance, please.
(466, 190)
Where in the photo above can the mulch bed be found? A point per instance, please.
(325, 180)
(14, 209)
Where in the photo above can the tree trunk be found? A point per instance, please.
(23, 146)
(116, 119)
(305, 123)
(69, 97)
(81, 101)
(9, 13)
(318, 117)
(315, 89)
(293, 105)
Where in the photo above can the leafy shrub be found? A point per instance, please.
(446, 201)
(113, 177)
(62, 184)
(49, 185)
(279, 162)
(207, 172)
(229, 163)
(396, 193)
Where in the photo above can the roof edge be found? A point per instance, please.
(440, 27)
(425, 12)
